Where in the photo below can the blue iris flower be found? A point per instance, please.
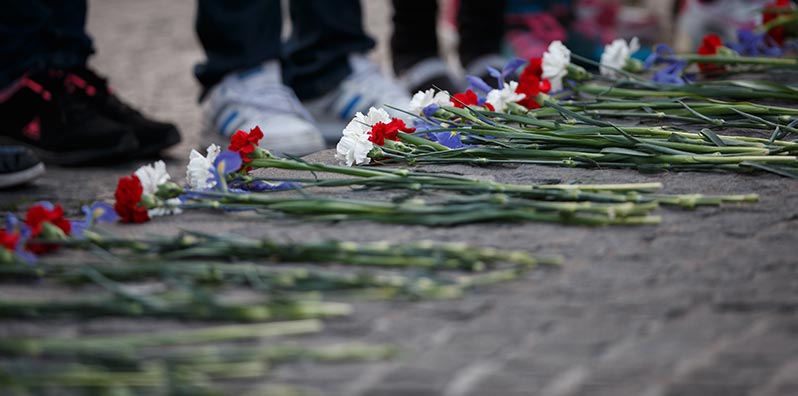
(430, 110)
(508, 69)
(260, 185)
(753, 44)
(450, 139)
(671, 74)
(225, 163)
(13, 225)
(97, 212)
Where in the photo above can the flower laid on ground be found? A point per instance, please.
(755, 44)
(128, 203)
(617, 55)
(555, 64)
(364, 132)
(710, 45)
(469, 98)
(133, 190)
(428, 102)
(97, 212)
(500, 98)
(245, 143)
(198, 171)
(46, 220)
(531, 83)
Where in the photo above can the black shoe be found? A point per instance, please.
(153, 136)
(18, 165)
(38, 112)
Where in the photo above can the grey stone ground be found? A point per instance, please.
(705, 303)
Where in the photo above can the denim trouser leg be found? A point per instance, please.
(324, 33)
(481, 27)
(236, 35)
(39, 34)
(415, 36)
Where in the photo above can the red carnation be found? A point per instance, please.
(8, 240)
(468, 98)
(777, 33)
(533, 68)
(709, 46)
(128, 200)
(35, 218)
(381, 131)
(245, 143)
(531, 84)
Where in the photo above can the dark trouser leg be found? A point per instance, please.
(414, 32)
(324, 33)
(39, 34)
(481, 27)
(236, 35)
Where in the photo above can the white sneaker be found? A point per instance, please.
(367, 86)
(257, 97)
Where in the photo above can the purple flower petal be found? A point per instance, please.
(512, 66)
(430, 110)
(477, 84)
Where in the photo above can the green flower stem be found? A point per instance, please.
(692, 91)
(131, 342)
(188, 310)
(738, 60)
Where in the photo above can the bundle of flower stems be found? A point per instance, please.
(199, 264)
(143, 363)
(578, 140)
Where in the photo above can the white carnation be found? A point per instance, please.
(555, 64)
(422, 99)
(616, 54)
(198, 171)
(354, 146)
(499, 98)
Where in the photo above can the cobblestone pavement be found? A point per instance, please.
(706, 303)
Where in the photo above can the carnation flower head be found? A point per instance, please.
(469, 98)
(363, 132)
(151, 176)
(555, 64)
(198, 171)
(616, 54)
(245, 143)
(710, 45)
(128, 200)
(424, 99)
(499, 98)
(40, 214)
(8, 240)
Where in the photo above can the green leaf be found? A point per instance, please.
(781, 170)
(713, 137)
(624, 151)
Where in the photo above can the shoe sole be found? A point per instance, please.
(126, 145)
(21, 177)
(172, 138)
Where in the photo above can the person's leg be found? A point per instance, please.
(236, 35)
(414, 37)
(36, 35)
(414, 46)
(324, 34)
(481, 27)
(242, 78)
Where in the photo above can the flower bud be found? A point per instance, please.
(578, 73)
(634, 66)
(169, 190)
(51, 231)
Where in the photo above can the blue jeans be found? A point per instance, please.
(241, 34)
(37, 35)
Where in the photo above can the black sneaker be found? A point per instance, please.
(38, 112)
(18, 165)
(153, 136)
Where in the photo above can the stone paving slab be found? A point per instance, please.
(704, 303)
